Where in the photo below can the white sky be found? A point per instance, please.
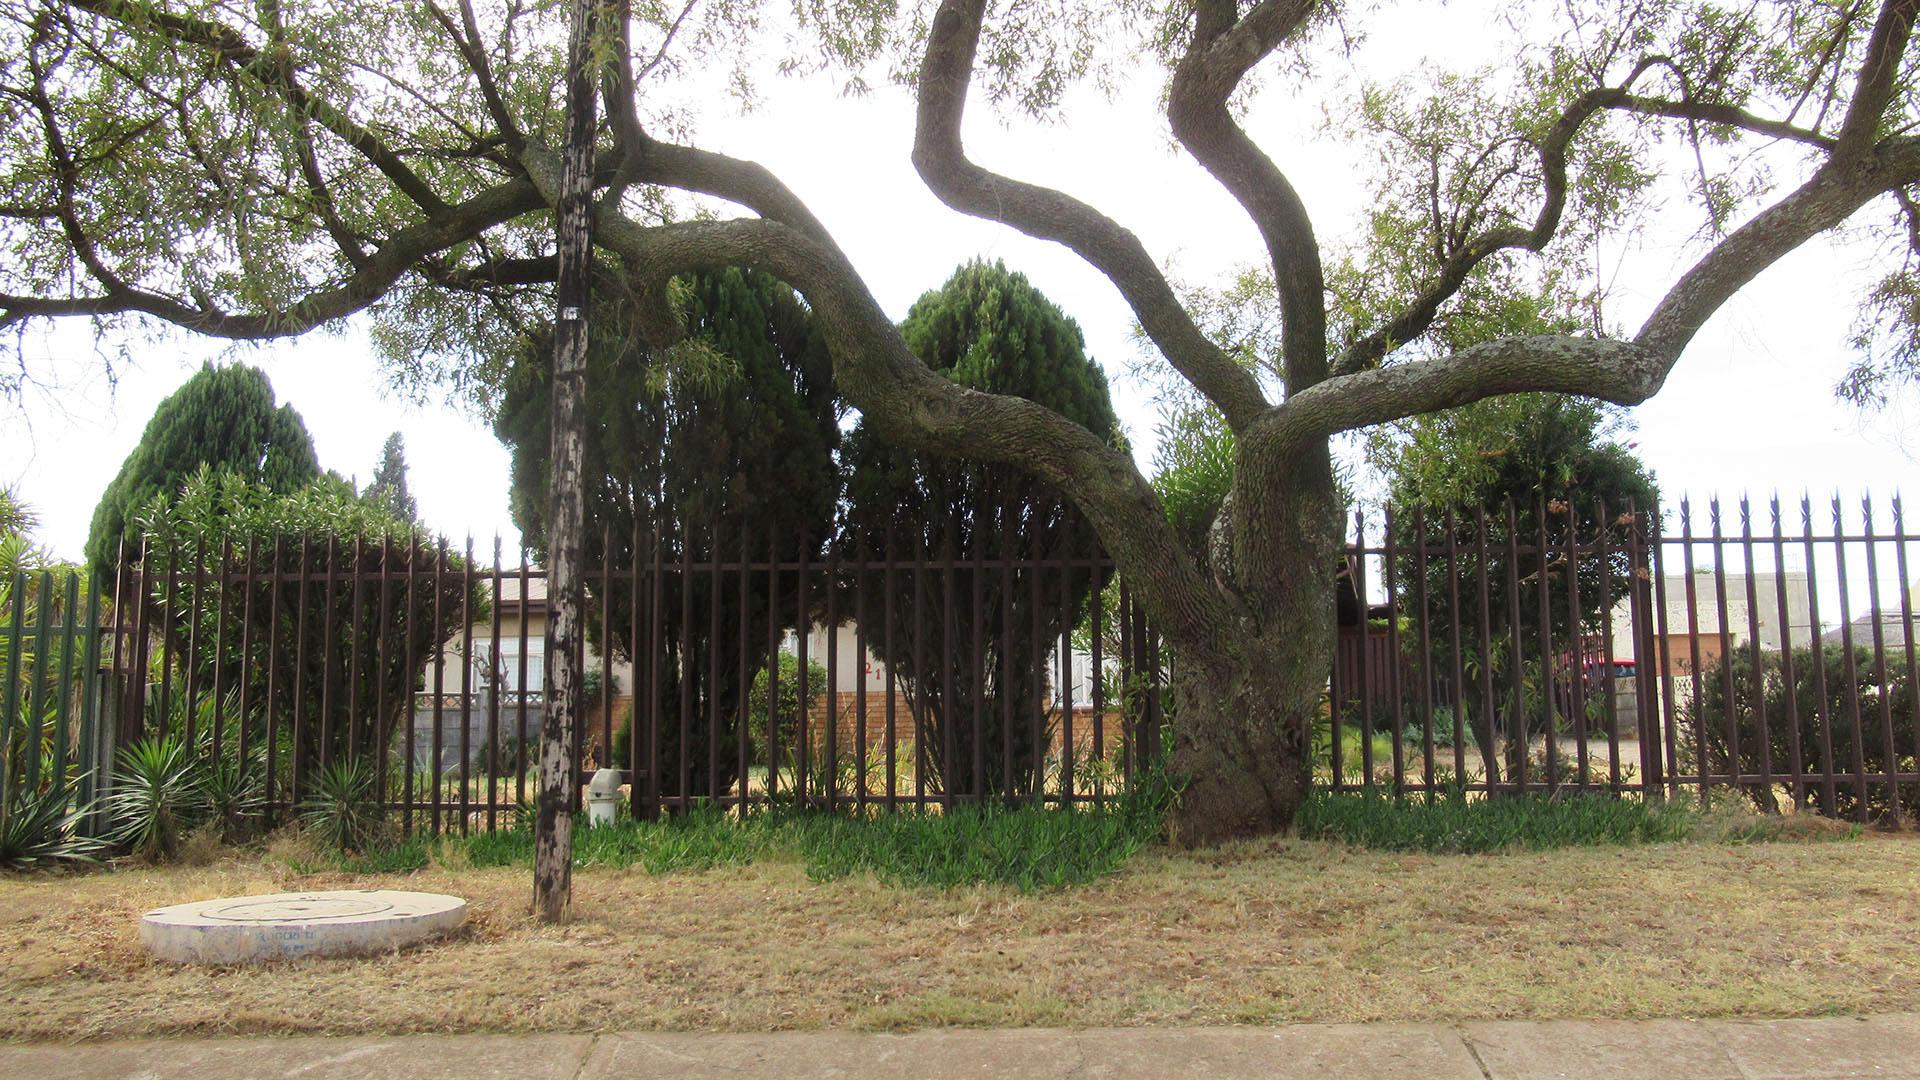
(1750, 407)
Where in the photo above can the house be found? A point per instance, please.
(475, 669)
(1692, 621)
(1894, 623)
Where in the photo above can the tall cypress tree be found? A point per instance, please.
(224, 418)
(717, 464)
(389, 488)
(989, 329)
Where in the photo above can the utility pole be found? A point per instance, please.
(566, 515)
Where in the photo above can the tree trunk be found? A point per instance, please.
(1243, 736)
(553, 828)
(1245, 701)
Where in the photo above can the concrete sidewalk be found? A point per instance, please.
(1588, 1050)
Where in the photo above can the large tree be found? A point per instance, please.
(223, 418)
(987, 329)
(388, 491)
(258, 171)
(726, 449)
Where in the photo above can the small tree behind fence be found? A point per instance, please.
(1578, 645)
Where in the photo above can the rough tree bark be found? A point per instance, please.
(559, 786)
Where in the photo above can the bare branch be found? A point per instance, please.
(945, 75)
(1220, 55)
(466, 38)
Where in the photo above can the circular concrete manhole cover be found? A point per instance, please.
(245, 929)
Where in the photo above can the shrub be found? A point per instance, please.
(344, 812)
(156, 797)
(320, 529)
(787, 710)
(1707, 720)
(234, 793)
(42, 828)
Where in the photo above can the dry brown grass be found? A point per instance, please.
(1285, 930)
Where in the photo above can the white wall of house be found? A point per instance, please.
(1742, 621)
(852, 666)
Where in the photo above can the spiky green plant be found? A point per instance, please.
(233, 790)
(344, 811)
(157, 797)
(42, 828)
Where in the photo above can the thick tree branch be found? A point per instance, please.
(1623, 372)
(1873, 89)
(1220, 55)
(909, 404)
(940, 157)
(1458, 265)
(1836, 191)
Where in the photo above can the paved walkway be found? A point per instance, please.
(1588, 1050)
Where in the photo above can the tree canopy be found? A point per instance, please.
(723, 449)
(989, 329)
(223, 418)
(253, 172)
(389, 487)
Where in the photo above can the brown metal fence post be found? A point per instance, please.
(1789, 677)
(1857, 741)
(1366, 651)
(1389, 575)
(1889, 752)
(1763, 735)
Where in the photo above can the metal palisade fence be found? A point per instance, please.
(861, 672)
(1766, 651)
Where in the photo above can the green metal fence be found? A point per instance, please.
(53, 660)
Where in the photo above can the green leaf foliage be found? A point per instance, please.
(223, 418)
(990, 329)
(220, 519)
(1801, 709)
(42, 828)
(1193, 469)
(725, 448)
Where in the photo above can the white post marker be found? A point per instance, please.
(603, 794)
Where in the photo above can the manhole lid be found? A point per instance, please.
(305, 908)
(241, 929)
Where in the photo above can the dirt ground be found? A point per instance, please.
(1281, 930)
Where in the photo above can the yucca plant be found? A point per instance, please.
(344, 811)
(233, 793)
(157, 796)
(42, 828)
